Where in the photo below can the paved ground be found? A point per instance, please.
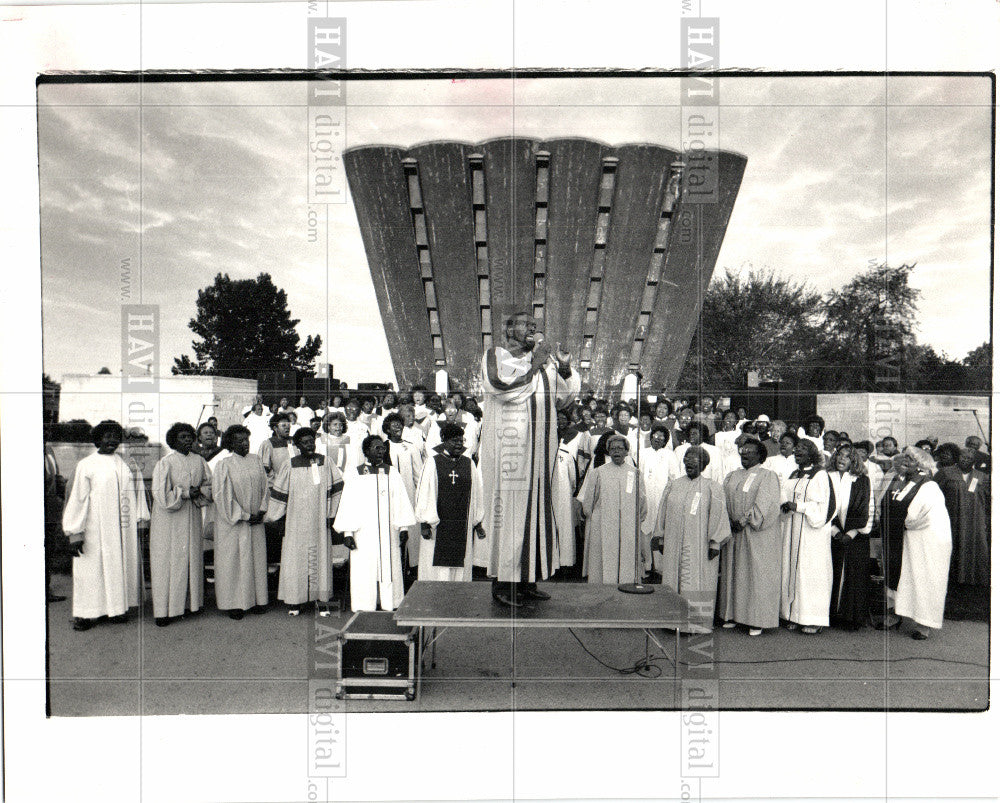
(211, 664)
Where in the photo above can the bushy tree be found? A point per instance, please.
(244, 326)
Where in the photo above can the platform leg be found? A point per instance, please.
(420, 660)
(434, 634)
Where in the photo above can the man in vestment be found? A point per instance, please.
(750, 588)
(523, 386)
(374, 514)
(241, 495)
(182, 486)
(105, 504)
(306, 494)
(275, 452)
(691, 528)
(450, 510)
(614, 503)
(967, 497)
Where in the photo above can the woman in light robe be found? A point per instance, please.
(750, 570)
(182, 486)
(659, 465)
(725, 442)
(691, 529)
(783, 463)
(916, 539)
(565, 481)
(807, 506)
(696, 434)
(106, 502)
(241, 495)
(852, 523)
(613, 503)
(336, 445)
(306, 493)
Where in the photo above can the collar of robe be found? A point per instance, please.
(368, 468)
(810, 472)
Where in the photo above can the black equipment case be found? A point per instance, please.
(377, 658)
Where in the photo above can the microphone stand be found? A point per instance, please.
(638, 587)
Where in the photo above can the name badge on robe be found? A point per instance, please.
(314, 470)
(695, 501)
(972, 485)
(748, 483)
(630, 482)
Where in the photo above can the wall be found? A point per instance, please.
(908, 417)
(181, 398)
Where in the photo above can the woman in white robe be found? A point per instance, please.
(104, 505)
(182, 486)
(808, 507)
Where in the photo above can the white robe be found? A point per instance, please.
(409, 463)
(239, 489)
(725, 442)
(923, 579)
(426, 512)
(105, 502)
(658, 467)
(176, 546)
(782, 466)
(806, 557)
(373, 509)
(259, 428)
(564, 481)
(611, 500)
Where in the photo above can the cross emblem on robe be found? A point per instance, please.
(453, 476)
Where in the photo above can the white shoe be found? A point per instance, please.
(755, 631)
(729, 625)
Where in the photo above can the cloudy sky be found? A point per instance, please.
(841, 171)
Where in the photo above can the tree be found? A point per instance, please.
(979, 367)
(244, 326)
(762, 323)
(105, 371)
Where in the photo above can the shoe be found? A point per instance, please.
(811, 630)
(755, 631)
(891, 622)
(237, 615)
(293, 611)
(80, 625)
(119, 620)
(728, 625)
(50, 597)
(532, 592)
(258, 609)
(919, 635)
(791, 626)
(503, 596)
(162, 621)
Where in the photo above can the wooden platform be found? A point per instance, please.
(581, 605)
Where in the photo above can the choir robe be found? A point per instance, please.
(373, 510)
(307, 494)
(967, 497)
(239, 489)
(176, 544)
(105, 503)
(855, 502)
(208, 512)
(518, 452)
(436, 495)
(782, 466)
(415, 437)
(750, 563)
(692, 517)
(564, 484)
(275, 452)
(260, 430)
(610, 500)
(725, 442)
(923, 572)
(714, 470)
(806, 556)
(409, 463)
(433, 439)
(340, 450)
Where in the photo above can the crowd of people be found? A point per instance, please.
(771, 523)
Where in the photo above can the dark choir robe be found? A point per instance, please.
(450, 500)
(967, 498)
(851, 571)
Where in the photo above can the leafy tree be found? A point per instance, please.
(868, 328)
(762, 323)
(979, 367)
(244, 326)
(104, 371)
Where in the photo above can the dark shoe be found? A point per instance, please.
(504, 597)
(918, 635)
(82, 624)
(119, 620)
(258, 609)
(162, 621)
(891, 622)
(532, 592)
(237, 615)
(50, 597)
